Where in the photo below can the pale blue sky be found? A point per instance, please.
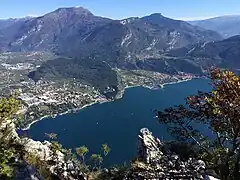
(118, 9)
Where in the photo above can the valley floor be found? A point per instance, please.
(49, 98)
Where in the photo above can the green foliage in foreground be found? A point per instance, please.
(8, 146)
(82, 151)
(95, 159)
(11, 149)
(219, 111)
(105, 149)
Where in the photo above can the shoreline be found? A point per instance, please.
(60, 114)
(161, 86)
(180, 81)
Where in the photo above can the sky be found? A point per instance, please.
(120, 9)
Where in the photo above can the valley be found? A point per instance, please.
(55, 68)
(52, 97)
(84, 59)
(140, 91)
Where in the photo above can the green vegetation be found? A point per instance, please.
(105, 149)
(97, 159)
(219, 111)
(12, 152)
(82, 151)
(91, 72)
(40, 165)
(8, 146)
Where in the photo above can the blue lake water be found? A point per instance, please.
(118, 123)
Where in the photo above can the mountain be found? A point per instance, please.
(52, 31)
(223, 54)
(9, 22)
(227, 26)
(91, 45)
(69, 29)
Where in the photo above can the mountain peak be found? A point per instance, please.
(74, 10)
(158, 18)
(157, 15)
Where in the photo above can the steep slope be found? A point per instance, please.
(9, 22)
(53, 31)
(227, 26)
(183, 29)
(224, 54)
(124, 42)
(68, 29)
(8, 29)
(94, 45)
(151, 34)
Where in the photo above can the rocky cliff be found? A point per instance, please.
(54, 161)
(155, 160)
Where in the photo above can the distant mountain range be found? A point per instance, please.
(223, 54)
(72, 29)
(8, 22)
(227, 26)
(92, 46)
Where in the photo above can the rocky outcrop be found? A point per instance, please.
(57, 163)
(54, 161)
(154, 161)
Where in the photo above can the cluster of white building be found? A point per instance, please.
(18, 66)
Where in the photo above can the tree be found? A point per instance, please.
(82, 151)
(106, 149)
(218, 110)
(55, 147)
(96, 159)
(9, 148)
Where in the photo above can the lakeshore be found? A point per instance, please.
(119, 96)
(60, 114)
(101, 101)
(118, 122)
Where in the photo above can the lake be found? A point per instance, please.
(118, 123)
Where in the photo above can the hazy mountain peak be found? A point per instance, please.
(227, 26)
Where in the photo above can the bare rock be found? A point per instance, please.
(154, 163)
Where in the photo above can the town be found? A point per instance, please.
(53, 97)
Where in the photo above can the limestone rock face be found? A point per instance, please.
(61, 167)
(157, 162)
(41, 149)
(148, 149)
(56, 162)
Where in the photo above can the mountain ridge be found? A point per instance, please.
(85, 41)
(226, 25)
(64, 24)
(223, 54)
